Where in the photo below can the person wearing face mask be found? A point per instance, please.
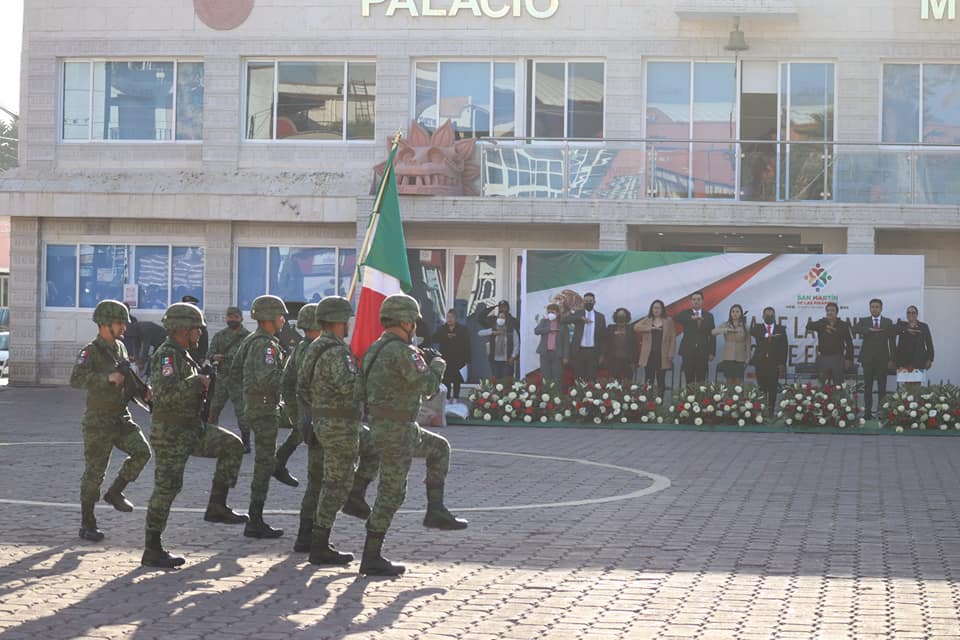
(770, 355)
(503, 346)
(589, 333)
(453, 342)
(223, 348)
(489, 319)
(658, 339)
(698, 345)
(834, 345)
(621, 347)
(554, 347)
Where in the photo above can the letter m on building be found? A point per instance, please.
(938, 8)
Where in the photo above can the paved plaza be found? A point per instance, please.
(574, 533)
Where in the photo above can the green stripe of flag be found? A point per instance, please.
(552, 269)
(388, 249)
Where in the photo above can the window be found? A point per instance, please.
(310, 100)
(566, 100)
(921, 104)
(297, 274)
(132, 100)
(477, 98)
(80, 276)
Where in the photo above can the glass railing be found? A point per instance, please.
(748, 170)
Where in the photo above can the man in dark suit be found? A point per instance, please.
(834, 345)
(769, 355)
(699, 345)
(586, 346)
(876, 353)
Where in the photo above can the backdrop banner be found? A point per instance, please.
(798, 286)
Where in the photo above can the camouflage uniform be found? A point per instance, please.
(259, 365)
(225, 342)
(290, 416)
(177, 432)
(106, 424)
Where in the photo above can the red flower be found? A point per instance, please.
(651, 406)
(729, 402)
(608, 402)
(517, 404)
(932, 422)
(529, 410)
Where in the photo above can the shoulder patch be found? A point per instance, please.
(351, 363)
(82, 357)
(166, 366)
(270, 356)
(418, 361)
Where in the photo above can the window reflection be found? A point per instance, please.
(901, 103)
(260, 88)
(186, 276)
(190, 84)
(310, 100)
(475, 294)
(151, 271)
(585, 100)
(941, 106)
(103, 271)
(61, 282)
(461, 92)
(549, 100)
(362, 81)
(76, 100)
(133, 100)
(302, 275)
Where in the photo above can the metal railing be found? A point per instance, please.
(745, 170)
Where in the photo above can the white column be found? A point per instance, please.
(26, 291)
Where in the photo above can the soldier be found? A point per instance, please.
(199, 352)
(177, 432)
(292, 409)
(259, 365)
(393, 378)
(223, 348)
(107, 422)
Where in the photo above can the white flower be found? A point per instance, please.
(659, 400)
(698, 421)
(634, 406)
(559, 417)
(862, 422)
(659, 419)
(532, 388)
(573, 393)
(642, 398)
(943, 427)
(899, 429)
(487, 417)
(913, 414)
(735, 398)
(545, 397)
(843, 401)
(583, 411)
(485, 394)
(623, 419)
(748, 405)
(527, 419)
(626, 398)
(606, 396)
(822, 421)
(644, 419)
(597, 420)
(798, 396)
(716, 397)
(588, 394)
(933, 413)
(913, 425)
(702, 389)
(741, 422)
(738, 389)
(784, 403)
(789, 421)
(686, 405)
(842, 424)
(567, 413)
(696, 408)
(691, 398)
(528, 403)
(759, 419)
(543, 418)
(746, 414)
(511, 396)
(913, 405)
(506, 418)
(499, 387)
(830, 407)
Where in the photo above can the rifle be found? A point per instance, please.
(134, 385)
(208, 370)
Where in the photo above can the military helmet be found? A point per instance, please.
(234, 311)
(334, 309)
(108, 311)
(182, 315)
(400, 307)
(307, 318)
(267, 308)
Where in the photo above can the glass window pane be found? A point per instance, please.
(362, 80)
(190, 101)
(259, 122)
(428, 270)
(549, 99)
(668, 116)
(133, 100)
(151, 272)
(252, 275)
(186, 277)
(426, 98)
(713, 165)
(302, 275)
(811, 101)
(475, 293)
(348, 264)
(76, 100)
(61, 275)
(465, 97)
(585, 100)
(941, 103)
(103, 272)
(504, 99)
(901, 103)
(310, 100)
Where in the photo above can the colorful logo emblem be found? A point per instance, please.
(818, 277)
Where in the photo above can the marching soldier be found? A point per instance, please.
(292, 408)
(107, 422)
(223, 348)
(259, 365)
(392, 380)
(177, 432)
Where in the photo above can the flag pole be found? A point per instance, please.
(368, 237)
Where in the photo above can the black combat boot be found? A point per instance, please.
(284, 451)
(114, 496)
(245, 437)
(437, 515)
(256, 527)
(356, 504)
(302, 543)
(374, 564)
(217, 509)
(322, 552)
(155, 556)
(88, 524)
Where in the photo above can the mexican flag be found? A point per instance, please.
(383, 267)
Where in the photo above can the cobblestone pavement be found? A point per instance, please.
(752, 536)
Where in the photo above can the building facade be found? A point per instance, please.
(180, 147)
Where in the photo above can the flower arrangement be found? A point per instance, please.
(518, 401)
(804, 405)
(719, 404)
(612, 401)
(936, 407)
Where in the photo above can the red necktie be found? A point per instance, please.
(769, 331)
(876, 323)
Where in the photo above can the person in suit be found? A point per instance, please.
(589, 331)
(876, 353)
(770, 355)
(834, 345)
(453, 342)
(698, 345)
(657, 341)
(914, 348)
(554, 347)
(620, 347)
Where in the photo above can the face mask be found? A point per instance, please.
(588, 306)
(768, 319)
(234, 324)
(551, 316)
(501, 322)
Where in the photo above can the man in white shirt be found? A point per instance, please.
(589, 329)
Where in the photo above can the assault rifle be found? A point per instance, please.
(208, 370)
(134, 385)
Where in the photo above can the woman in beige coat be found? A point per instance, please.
(736, 345)
(657, 339)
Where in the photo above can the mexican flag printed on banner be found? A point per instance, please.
(382, 266)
